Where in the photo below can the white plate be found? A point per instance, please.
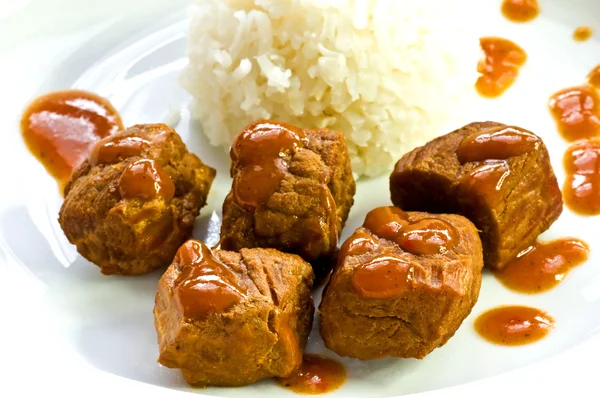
(67, 328)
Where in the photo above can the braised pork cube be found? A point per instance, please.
(231, 319)
(292, 190)
(403, 285)
(133, 202)
(498, 176)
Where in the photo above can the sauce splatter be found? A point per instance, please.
(594, 77)
(582, 33)
(317, 375)
(543, 266)
(500, 67)
(60, 128)
(520, 10)
(576, 111)
(581, 191)
(514, 325)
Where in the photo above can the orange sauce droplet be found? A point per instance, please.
(60, 128)
(317, 375)
(543, 265)
(520, 10)
(582, 33)
(581, 191)
(594, 77)
(576, 111)
(514, 325)
(500, 67)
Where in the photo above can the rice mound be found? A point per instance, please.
(388, 74)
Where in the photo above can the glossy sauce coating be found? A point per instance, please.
(113, 149)
(581, 191)
(543, 266)
(317, 375)
(356, 245)
(59, 128)
(488, 180)
(500, 67)
(426, 236)
(582, 33)
(382, 277)
(501, 142)
(260, 151)
(593, 77)
(145, 179)
(205, 285)
(520, 10)
(514, 325)
(576, 111)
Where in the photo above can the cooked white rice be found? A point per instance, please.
(389, 74)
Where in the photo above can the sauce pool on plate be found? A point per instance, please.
(317, 375)
(543, 266)
(582, 33)
(500, 67)
(520, 10)
(514, 325)
(581, 191)
(576, 111)
(60, 128)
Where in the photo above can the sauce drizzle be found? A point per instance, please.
(514, 325)
(261, 150)
(115, 148)
(59, 128)
(426, 236)
(205, 285)
(500, 66)
(500, 142)
(383, 277)
(317, 375)
(488, 180)
(543, 266)
(581, 191)
(520, 10)
(146, 180)
(576, 111)
(582, 33)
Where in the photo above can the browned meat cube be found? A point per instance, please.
(292, 191)
(403, 285)
(499, 177)
(231, 319)
(133, 202)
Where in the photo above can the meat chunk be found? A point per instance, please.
(231, 319)
(500, 177)
(133, 202)
(292, 191)
(403, 285)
